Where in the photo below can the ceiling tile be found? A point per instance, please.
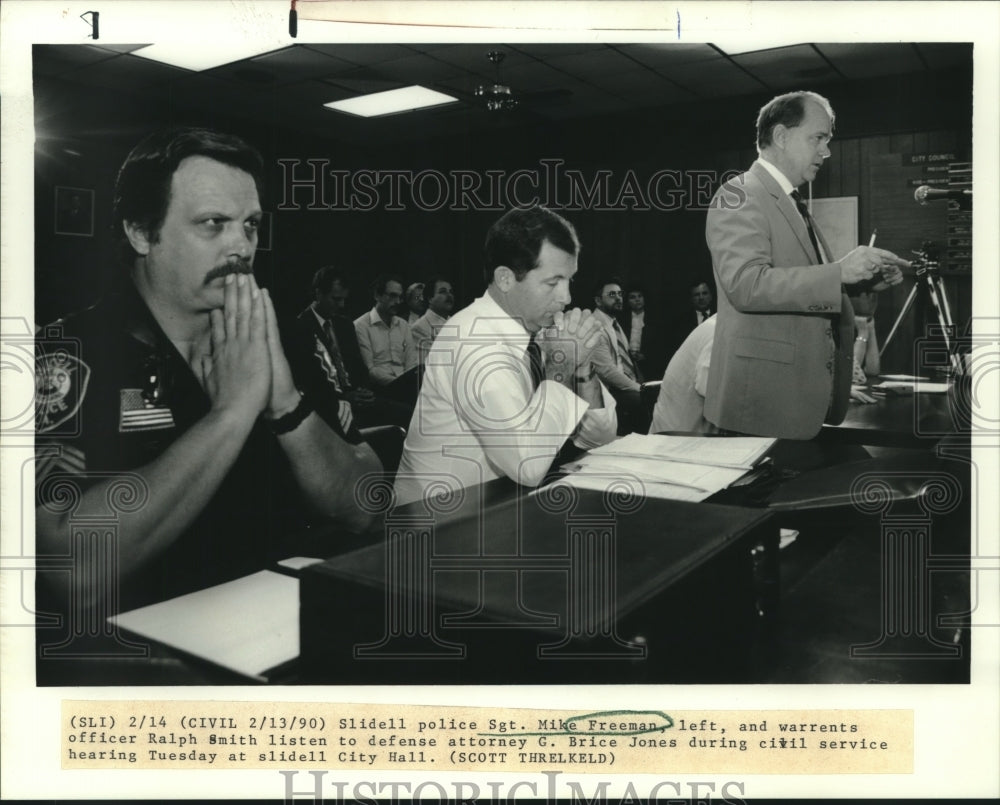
(129, 73)
(667, 54)
(315, 93)
(946, 54)
(604, 106)
(867, 60)
(553, 50)
(555, 81)
(121, 48)
(786, 67)
(594, 64)
(645, 89)
(56, 59)
(362, 80)
(474, 57)
(419, 69)
(300, 62)
(713, 78)
(363, 53)
(533, 76)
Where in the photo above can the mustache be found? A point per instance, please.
(237, 265)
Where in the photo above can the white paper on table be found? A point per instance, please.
(602, 482)
(247, 625)
(700, 477)
(299, 562)
(736, 451)
(906, 378)
(918, 388)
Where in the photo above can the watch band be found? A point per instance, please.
(291, 420)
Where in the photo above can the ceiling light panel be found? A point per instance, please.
(406, 99)
(200, 56)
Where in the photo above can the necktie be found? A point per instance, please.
(535, 363)
(804, 212)
(338, 362)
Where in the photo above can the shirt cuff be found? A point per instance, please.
(598, 425)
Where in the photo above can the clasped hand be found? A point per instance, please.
(246, 369)
(568, 344)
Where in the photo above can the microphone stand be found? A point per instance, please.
(928, 275)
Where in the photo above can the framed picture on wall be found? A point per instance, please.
(74, 211)
(838, 221)
(264, 233)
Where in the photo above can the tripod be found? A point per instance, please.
(928, 274)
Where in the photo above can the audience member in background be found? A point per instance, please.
(440, 301)
(866, 358)
(646, 336)
(416, 304)
(702, 302)
(680, 405)
(613, 361)
(182, 389)
(326, 359)
(499, 399)
(386, 345)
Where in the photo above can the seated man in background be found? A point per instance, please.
(326, 359)
(701, 302)
(680, 405)
(867, 361)
(499, 399)
(386, 345)
(645, 334)
(182, 390)
(613, 361)
(416, 304)
(440, 302)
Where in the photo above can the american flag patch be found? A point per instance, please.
(137, 415)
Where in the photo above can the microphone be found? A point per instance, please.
(923, 194)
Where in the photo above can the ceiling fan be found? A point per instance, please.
(498, 97)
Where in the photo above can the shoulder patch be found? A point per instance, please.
(60, 385)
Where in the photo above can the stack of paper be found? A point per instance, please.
(675, 467)
(919, 387)
(253, 624)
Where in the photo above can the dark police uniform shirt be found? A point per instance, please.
(113, 394)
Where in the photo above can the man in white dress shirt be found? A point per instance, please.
(613, 360)
(440, 301)
(385, 343)
(680, 405)
(500, 398)
(416, 304)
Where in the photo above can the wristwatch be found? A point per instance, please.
(290, 421)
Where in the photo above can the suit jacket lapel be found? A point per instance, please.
(787, 208)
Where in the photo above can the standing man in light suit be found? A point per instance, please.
(782, 358)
